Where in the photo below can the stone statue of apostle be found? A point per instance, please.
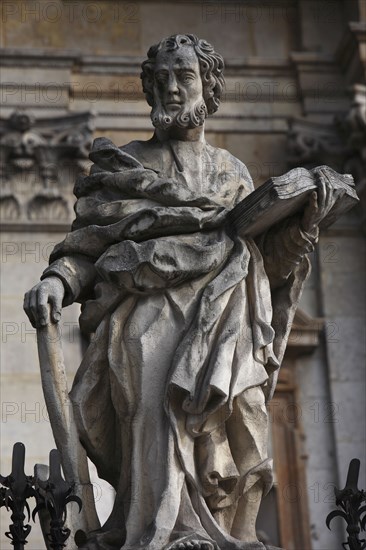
(188, 322)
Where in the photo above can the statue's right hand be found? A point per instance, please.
(49, 291)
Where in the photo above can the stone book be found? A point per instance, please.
(283, 196)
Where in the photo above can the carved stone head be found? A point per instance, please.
(183, 81)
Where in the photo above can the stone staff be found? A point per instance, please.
(73, 456)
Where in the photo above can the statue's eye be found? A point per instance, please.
(161, 78)
(187, 77)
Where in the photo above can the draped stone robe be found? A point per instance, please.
(185, 318)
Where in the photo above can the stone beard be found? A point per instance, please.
(185, 118)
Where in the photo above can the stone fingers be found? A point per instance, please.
(28, 309)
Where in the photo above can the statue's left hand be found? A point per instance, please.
(320, 203)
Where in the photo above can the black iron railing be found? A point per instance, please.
(350, 500)
(51, 496)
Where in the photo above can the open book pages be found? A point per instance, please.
(284, 196)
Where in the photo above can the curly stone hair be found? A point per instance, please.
(211, 67)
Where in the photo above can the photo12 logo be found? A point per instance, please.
(69, 11)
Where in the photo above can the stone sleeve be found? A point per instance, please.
(77, 274)
(283, 249)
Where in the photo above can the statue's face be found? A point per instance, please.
(177, 79)
(178, 89)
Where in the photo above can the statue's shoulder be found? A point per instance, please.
(139, 149)
(146, 152)
(136, 145)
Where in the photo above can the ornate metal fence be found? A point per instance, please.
(51, 497)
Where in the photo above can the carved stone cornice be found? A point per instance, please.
(39, 161)
(305, 334)
(321, 84)
(38, 57)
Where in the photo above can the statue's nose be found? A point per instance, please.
(172, 85)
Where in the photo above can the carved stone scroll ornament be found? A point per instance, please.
(189, 321)
(9, 207)
(39, 160)
(353, 130)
